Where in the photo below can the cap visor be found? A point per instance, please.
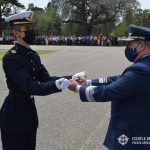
(126, 39)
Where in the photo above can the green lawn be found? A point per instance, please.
(2, 52)
(40, 52)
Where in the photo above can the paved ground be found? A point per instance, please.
(65, 122)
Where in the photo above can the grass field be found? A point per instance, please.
(40, 52)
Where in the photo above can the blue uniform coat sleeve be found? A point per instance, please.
(23, 80)
(127, 85)
(44, 75)
(104, 81)
(111, 79)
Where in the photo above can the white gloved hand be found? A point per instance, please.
(79, 75)
(62, 83)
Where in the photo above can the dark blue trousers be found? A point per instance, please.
(18, 141)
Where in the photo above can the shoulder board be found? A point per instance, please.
(13, 51)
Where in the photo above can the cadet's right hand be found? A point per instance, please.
(62, 83)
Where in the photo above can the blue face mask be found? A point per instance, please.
(131, 53)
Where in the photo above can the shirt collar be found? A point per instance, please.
(146, 55)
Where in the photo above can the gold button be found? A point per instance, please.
(33, 69)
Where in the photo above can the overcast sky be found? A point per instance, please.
(145, 4)
(38, 3)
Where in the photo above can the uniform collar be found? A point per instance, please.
(143, 58)
(22, 49)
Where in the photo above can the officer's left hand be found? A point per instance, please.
(72, 86)
(62, 83)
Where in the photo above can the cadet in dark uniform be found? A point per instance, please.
(26, 77)
(129, 93)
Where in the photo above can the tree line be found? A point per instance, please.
(79, 17)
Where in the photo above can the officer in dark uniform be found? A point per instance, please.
(129, 93)
(26, 77)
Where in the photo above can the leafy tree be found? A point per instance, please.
(35, 8)
(89, 13)
(120, 30)
(133, 16)
(146, 18)
(48, 21)
(71, 29)
(8, 7)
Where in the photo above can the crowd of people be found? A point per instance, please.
(101, 40)
(83, 40)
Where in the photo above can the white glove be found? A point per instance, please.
(62, 83)
(79, 75)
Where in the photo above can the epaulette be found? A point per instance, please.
(13, 51)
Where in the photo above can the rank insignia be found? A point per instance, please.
(13, 51)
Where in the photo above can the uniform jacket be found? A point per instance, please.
(129, 94)
(25, 77)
